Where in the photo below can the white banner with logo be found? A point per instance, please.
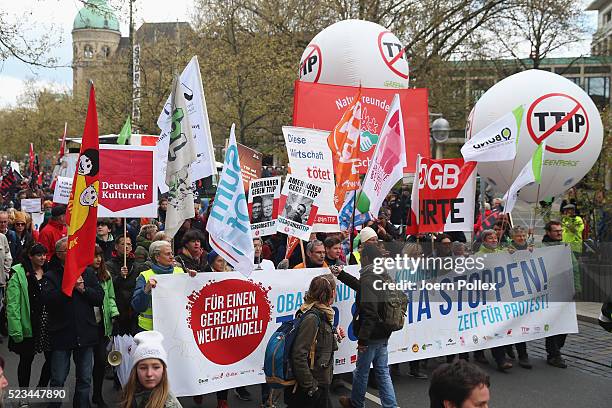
(311, 159)
(216, 326)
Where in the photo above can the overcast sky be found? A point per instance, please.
(58, 15)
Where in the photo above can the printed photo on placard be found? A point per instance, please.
(264, 198)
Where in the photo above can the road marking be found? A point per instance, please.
(369, 396)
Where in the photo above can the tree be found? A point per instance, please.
(15, 42)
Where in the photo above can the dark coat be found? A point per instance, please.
(72, 322)
(322, 370)
(367, 323)
(124, 289)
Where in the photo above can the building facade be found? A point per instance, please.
(602, 39)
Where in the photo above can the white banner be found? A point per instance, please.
(216, 326)
(264, 200)
(299, 206)
(30, 205)
(228, 225)
(204, 166)
(63, 187)
(311, 159)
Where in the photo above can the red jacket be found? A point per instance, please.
(50, 234)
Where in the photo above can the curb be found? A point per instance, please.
(587, 318)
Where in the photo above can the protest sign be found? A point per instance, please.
(37, 220)
(320, 106)
(264, 197)
(446, 194)
(216, 326)
(63, 186)
(30, 205)
(299, 203)
(250, 164)
(128, 183)
(310, 158)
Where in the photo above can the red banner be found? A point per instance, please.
(321, 106)
(127, 181)
(250, 164)
(447, 190)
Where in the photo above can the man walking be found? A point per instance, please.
(72, 325)
(372, 335)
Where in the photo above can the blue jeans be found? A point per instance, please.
(376, 354)
(60, 367)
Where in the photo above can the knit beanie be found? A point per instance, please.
(210, 258)
(367, 233)
(149, 345)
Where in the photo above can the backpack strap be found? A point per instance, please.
(313, 345)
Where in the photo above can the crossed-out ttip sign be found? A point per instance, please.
(560, 120)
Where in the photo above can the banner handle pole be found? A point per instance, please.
(352, 224)
(535, 207)
(125, 242)
(303, 254)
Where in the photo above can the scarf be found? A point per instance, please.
(329, 312)
(161, 270)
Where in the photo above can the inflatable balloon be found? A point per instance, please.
(556, 110)
(354, 52)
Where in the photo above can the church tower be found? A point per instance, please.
(95, 40)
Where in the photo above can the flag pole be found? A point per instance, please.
(125, 242)
(303, 254)
(352, 224)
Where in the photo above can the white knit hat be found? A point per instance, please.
(366, 234)
(149, 345)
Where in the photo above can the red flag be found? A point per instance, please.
(343, 142)
(291, 244)
(83, 205)
(31, 158)
(62, 149)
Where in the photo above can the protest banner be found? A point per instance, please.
(299, 204)
(310, 158)
(30, 205)
(63, 186)
(250, 164)
(216, 326)
(264, 198)
(446, 194)
(37, 220)
(320, 106)
(204, 166)
(128, 182)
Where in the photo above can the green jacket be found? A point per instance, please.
(109, 306)
(572, 232)
(18, 305)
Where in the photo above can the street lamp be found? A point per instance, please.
(440, 130)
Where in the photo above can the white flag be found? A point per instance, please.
(191, 85)
(531, 173)
(412, 221)
(496, 142)
(388, 162)
(228, 224)
(181, 154)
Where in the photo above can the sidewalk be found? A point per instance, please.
(588, 311)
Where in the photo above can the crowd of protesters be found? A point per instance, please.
(113, 297)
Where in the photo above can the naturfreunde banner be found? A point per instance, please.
(216, 326)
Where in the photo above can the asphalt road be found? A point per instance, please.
(586, 383)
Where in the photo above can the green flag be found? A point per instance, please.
(126, 132)
(536, 162)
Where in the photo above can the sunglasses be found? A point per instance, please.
(20, 224)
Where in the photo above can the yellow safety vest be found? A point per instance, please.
(357, 256)
(145, 319)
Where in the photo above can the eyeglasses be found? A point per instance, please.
(22, 224)
(556, 230)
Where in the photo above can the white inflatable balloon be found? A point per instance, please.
(354, 52)
(556, 109)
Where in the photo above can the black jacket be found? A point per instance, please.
(367, 323)
(72, 322)
(124, 289)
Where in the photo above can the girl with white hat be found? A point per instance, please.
(148, 385)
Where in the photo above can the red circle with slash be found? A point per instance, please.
(568, 116)
(315, 50)
(391, 63)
